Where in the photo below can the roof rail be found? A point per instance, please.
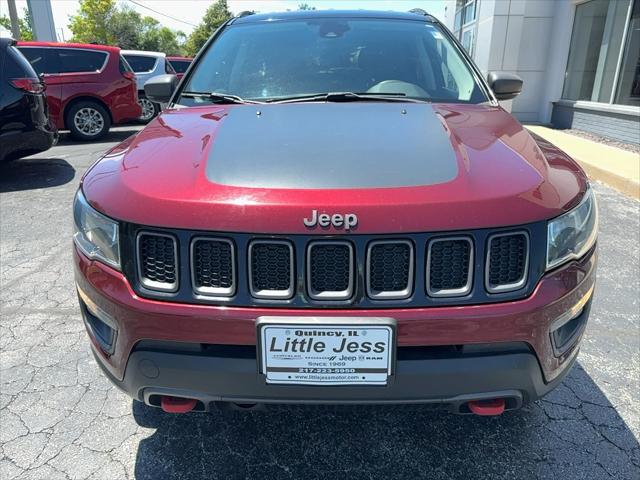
(419, 11)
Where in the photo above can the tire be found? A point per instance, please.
(149, 109)
(88, 121)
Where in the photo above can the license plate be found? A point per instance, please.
(326, 351)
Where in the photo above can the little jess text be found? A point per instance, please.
(311, 344)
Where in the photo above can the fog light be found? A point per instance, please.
(568, 327)
(100, 325)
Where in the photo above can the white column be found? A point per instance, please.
(44, 28)
(13, 15)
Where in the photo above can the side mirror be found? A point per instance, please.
(160, 88)
(505, 86)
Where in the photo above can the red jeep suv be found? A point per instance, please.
(89, 87)
(334, 208)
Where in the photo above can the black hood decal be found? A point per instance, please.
(331, 146)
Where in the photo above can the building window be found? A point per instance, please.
(464, 24)
(467, 39)
(457, 23)
(629, 78)
(593, 68)
(470, 12)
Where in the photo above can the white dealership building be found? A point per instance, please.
(579, 59)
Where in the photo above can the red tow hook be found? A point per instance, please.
(493, 406)
(177, 404)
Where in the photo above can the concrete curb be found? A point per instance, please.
(624, 185)
(617, 168)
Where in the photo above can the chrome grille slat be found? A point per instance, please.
(271, 269)
(158, 261)
(449, 271)
(330, 270)
(507, 263)
(390, 265)
(213, 270)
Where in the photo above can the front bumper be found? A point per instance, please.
(508, 371)
(208, 352)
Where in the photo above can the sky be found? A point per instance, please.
(185, 14)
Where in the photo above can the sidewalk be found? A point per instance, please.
(615, 167)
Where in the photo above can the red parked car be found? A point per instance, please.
(334, 208)
(180, 65)
(89, 87)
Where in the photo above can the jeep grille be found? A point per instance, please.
(507, 261)
(330, 270)
(272, 269)
(213, 266)
(157, 267)
(449, 266)
(390, 269)
(334, 271)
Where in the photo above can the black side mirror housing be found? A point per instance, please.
(505, 86)
(160, 88)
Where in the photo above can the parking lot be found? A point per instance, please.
(60, 418)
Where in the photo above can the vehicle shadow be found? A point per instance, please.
(574, 433)
(33, 173)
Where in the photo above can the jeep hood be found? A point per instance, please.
(401, 167)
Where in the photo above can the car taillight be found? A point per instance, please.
(31, 85)
(129, 75)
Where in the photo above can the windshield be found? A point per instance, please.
(275, 60)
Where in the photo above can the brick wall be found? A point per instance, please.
(625, 128)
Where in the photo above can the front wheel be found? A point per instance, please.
(88, 121)
(149, 109)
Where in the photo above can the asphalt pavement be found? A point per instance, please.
(61, 419)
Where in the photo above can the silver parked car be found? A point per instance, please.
(147, 65)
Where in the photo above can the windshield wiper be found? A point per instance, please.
(216, 97)
(347, 97)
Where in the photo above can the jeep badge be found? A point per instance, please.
(346, 221)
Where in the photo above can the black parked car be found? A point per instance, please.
(24, 117)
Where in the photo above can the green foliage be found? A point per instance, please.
(216, 15)
(102, 21)
(124, 28)
(159, 39)
(92, 22)
(26, 32)
(305, 6)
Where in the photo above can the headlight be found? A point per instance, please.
(574, 233)
(95, 234)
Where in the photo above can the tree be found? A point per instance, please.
(216, 15)
(26, 32)
(305, 6)
(124, 28)
(168, 42)
(149, 34)
(91, 24)
(155, 37)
